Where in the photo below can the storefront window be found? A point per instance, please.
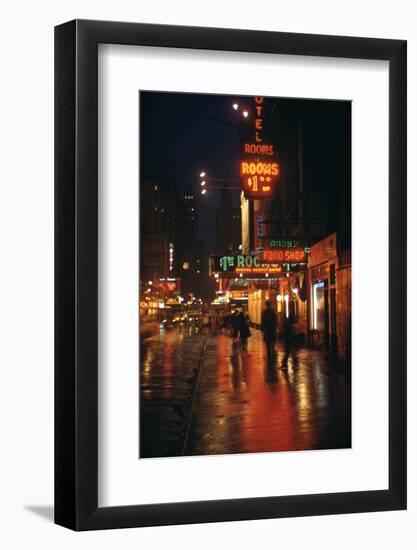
(319, 306)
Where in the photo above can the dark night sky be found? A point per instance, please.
(183, 134)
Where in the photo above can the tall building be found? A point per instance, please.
(191, 256)
(158, 215)
(158, 207)
(189, 218)
(227, 226)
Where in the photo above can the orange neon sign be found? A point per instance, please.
(284, 255)
(259, 122)
(258, 178)
(238, 294)
(259, 168)
(258, 172)
(258, 149)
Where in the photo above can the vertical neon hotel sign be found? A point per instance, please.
(258, 170)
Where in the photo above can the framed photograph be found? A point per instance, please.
(230, 253)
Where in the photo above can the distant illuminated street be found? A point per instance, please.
(202, 394)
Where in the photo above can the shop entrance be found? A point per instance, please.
(321, 315)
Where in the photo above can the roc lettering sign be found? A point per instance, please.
(247, 265)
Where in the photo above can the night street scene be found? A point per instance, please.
(245, 274)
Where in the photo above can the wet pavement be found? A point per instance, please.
(202, 394)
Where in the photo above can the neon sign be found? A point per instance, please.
(230, 266)
(260, 226)
(259, 168)
(258, 178)
(238, 261)
(284, 243)
(284, 255)
(256, 149)
(259, 123)
(238, 295)
(171, 257)
(258, 174)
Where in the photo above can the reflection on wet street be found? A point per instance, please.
(201, 394)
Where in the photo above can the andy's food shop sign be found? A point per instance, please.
(259, 169)
(284, 255)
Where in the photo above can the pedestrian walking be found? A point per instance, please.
(269, 323)
(244, 330)
(234, 323)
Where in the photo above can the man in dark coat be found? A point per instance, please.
(244, 330)
(234, 322)
(269, 328)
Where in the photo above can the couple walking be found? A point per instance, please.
(240, 323)
(269, 327)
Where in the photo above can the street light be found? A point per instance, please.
(203, 183)
(245, 112)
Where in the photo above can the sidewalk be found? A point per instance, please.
(245, 404)
(201, 394)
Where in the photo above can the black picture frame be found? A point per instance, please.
(76, 272)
